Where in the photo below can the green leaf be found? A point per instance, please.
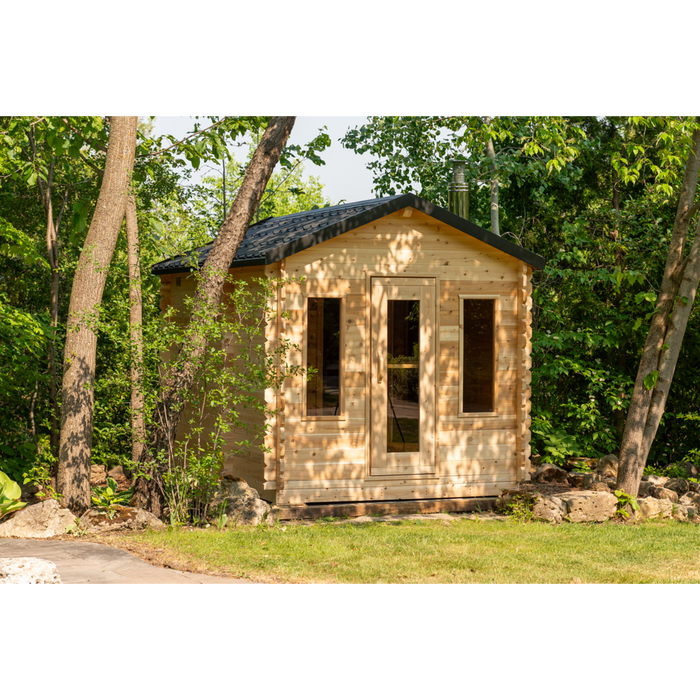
(650, 380)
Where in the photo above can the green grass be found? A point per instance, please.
(459, 551)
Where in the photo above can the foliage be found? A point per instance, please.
(10, 493)
(23, 339)
(625, 502)
(287, 192)
(676, 470)
(106, 497)
(519, 505)
(557, 445)
(228, 391)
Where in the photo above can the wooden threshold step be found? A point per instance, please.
(355, 509)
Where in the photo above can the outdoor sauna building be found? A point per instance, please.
(418, 324)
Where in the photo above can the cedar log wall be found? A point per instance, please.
(328, 460)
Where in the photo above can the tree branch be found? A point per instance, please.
(177, 143)
(97, 146)
(87, 162)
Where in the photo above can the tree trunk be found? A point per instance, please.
(138, 434)
(677, 323)
(150, 492)
(491, 153)
(493, 167)
(83, 315)
(52, 254)
(52, 227)
(642, 422)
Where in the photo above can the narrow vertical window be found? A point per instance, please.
(323, 356)
(478, 355)
(403, 376)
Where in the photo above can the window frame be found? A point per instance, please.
(496, 323)
(341, 416)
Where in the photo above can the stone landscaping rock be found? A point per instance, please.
(549, 473)
(243, 505)
(662, 493)
(252, 511)
(680, 486)
(231, 488)
(679, 512)
(28, 570)
(123, 518)
(589, 506)
(576, 479)
(690, 499)
(656, 480)
(591, 479)
(607, 466)
(576, 506)
(644, 489)
(45, 519)
(549, 508)
(116, 472)
(655, 508)
(600, 486)
(98, 475)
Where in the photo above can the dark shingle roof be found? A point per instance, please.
(276, 238)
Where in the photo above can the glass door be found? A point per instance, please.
(403, 376)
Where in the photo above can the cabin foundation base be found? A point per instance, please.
(355, 509)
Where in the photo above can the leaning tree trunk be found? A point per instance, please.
(150, 491)
(659, 357)
(138, 433)
(677, 323)
(83, 315)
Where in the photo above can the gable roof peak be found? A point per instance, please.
(275, 238)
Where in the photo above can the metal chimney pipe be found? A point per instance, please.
(458, 190)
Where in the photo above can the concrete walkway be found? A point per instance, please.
(87, 562)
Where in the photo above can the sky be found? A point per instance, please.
(345, 175)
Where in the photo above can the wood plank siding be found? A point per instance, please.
(327, 458)
(478, 454)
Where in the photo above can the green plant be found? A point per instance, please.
(555, 445)
(10, 493)
(231, 379)
(672, 471)
(75, 529)
(106, 497)
(625, 501)
(221, 518)
(518, 505)
(40, 471)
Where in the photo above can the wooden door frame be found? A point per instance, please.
(423, 463)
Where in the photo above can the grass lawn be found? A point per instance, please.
(458, 551)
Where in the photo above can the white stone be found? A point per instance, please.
(45, 519)
(589, 506)
(28, 570)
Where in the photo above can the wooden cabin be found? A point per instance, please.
(418, 324)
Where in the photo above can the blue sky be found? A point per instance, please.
(345, 175)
